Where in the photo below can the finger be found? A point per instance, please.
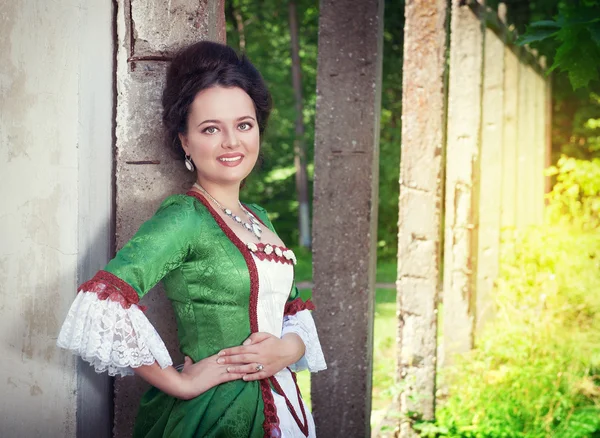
(257, 337)
(234, 350)
(187, 362)
(227, 377)
(238, 358)
(256, 376)
(244, 369)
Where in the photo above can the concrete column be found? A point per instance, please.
(510, 140)
(462, 175)
(548, 130)
(491, 176)
(533, 171)
(540, 144)
(524, 137)
(345, 211)
(147, 34)
(420, 204)
(55, 161)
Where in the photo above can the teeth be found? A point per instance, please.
(239, 157)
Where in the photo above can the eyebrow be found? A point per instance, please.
(218, 121)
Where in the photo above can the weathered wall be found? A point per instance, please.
(420, 205)
(147, 34)
(488, 242)
(55, 148)
(462, 179)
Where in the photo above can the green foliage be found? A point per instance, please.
(535, 371)
(576, 29)
(575, 198)
(391, 130)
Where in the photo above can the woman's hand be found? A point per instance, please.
(263, 355)
(197, 378)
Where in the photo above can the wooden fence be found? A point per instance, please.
(475, 141)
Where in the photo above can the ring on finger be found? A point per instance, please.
(259, 367)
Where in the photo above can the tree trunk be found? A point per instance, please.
(299, 143)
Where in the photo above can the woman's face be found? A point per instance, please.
(222, 135)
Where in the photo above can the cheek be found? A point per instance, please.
(254, 141)
(201, 143)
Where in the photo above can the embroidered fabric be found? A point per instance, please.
(110, 337)
(303, 325)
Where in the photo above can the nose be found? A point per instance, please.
(230, 139)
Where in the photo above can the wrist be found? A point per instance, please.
(294, 347)
(182, 387)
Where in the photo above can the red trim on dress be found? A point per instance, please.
(295, 306)
(280, 391)
(108, 286)
(271, 422)
(272, 257)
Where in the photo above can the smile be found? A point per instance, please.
(239, 157)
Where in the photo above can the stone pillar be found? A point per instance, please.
(510, 140)
(147, 34)
(462, 175)
(491, 176)
(345, 211)
(524, 129)
(540, 143)
(420, 204)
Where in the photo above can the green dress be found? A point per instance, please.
(211, 279)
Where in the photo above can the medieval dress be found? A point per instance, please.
(221, 290)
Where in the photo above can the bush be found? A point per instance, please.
(535, 372)
(575, 198)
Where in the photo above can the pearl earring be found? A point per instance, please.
(188, 163)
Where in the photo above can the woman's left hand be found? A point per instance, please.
(263, 354)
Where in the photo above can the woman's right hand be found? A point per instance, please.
(197, 378)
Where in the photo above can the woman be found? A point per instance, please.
(241, 324)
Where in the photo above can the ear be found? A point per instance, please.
(184, 144)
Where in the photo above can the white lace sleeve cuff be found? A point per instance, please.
(303, 325)
(111, 337)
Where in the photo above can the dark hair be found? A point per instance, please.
(204, 65)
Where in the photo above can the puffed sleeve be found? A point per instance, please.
(297, 318)
(105, 325)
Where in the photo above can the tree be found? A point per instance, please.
(299, 144)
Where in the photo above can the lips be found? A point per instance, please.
(231, 159)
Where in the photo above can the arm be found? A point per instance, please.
(193, 380)
(105, 325)
(261, 348)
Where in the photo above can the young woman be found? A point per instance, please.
(241, 324)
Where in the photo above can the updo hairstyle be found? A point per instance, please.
(204, 65)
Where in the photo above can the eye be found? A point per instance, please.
(245, 126)
(210, 130)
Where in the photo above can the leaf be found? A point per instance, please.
(578, 55)
(546, 24)
(594, 31)
(536, 34)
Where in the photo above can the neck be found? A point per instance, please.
(227, 195)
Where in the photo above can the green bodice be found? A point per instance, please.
(207, 275)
